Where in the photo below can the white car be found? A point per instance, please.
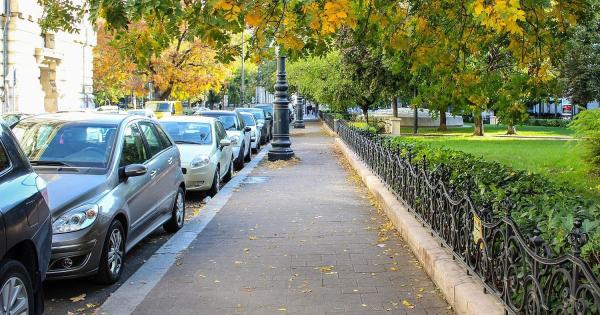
(237, 131)
(142, 112)
(255, 135)
(206, 151)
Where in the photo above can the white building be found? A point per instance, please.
(43, 72)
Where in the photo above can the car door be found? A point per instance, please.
(161, 166)
(135, 189)
(224, 151)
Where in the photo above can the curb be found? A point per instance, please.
(135, 289)
(464, 293)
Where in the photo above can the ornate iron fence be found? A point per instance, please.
(328, 119)
(519, 269)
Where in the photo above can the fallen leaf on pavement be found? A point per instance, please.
(252, 237)
(78, 298)
(326, 268)
(407, 304)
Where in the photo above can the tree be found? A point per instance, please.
(581, 69)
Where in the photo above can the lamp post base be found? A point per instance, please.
(280, 155)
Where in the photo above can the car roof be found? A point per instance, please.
(201, 119)
(220, 112)
(103, 118)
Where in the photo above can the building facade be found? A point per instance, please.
(43, 71)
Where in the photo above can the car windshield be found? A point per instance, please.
(228, 121)
(63, 143)
(162, 107)
(248, 120)
(188, 132)
(258, 113)
(266, 108)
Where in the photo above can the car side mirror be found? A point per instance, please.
(225, 142)
(247, 129)
(134, 170)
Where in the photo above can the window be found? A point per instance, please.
(166, 142)
(4, 160)
(221, 130)
(134, 151)
(152, 137)
(248, 120)
(229, 121)
(186, 132)
(76, 144)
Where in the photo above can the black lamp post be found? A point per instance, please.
(299, 122)
(281, 144)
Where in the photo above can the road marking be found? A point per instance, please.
(129, 295)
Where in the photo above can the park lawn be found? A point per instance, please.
(562, 161)
(496, 130)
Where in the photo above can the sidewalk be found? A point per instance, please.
(296, 238)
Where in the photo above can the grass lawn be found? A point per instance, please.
(495, 130)
(561, 161)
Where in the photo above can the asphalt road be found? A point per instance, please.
(83, 296)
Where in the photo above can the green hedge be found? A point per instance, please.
(539, 201)
(548, 122)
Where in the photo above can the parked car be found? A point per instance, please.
(263, 124)
(205, 148)
(268, 110)
(12, 119)
(112, 180)
(142, 112)
(26, 230)
(164, 109)
(238, 133)
(254, 131)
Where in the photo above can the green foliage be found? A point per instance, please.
(548, 122)
(581, 69)
(540, 202)
(587, 127)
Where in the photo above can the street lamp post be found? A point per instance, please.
(281, 144)
(299, 123)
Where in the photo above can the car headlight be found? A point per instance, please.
(199, 161)
(235, 140)
(75, 219)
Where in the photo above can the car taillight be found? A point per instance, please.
(42, 188)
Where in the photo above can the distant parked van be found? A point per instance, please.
(165, 108)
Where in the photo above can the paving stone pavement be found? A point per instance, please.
(297, 238)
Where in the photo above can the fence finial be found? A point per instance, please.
(577, 237)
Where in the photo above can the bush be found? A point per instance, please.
(540, 203)
(587, 127)
(547, 122)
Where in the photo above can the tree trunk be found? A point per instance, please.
(443, 126)
(416, 121)
(511, 130)
(395, 107)
(478, 124)
(366, 114)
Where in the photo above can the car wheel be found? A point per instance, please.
(113, 254)
(16, 289)
(255, 150)
(216, 184)
(175, 223)
(239, 162)
(229, 173)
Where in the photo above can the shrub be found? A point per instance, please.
(547, 122)
(540, 202)
(587, 127)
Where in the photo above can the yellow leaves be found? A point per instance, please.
(407, 304)
(333, 15)
(232, 10)
(253, 19)
(500, 15)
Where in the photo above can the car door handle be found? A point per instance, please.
(153, 173)
(170, 160)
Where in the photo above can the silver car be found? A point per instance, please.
(205, 148)
(112, 180)
(255, 135)
(237, 131)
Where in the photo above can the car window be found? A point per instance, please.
(221, 130)
(134, 151)
(248, 120)
(77, 144)
(189, 132)
(4, 161)
(166, 142)
(229, 121)
(152, 137)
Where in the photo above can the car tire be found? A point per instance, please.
(216, 184)
(112, 251)
(12, 274)
(255, 150)
(177, 219)
(229, 173)
(239, 162)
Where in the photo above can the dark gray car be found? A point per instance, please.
(25, 230)
(112, 180)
